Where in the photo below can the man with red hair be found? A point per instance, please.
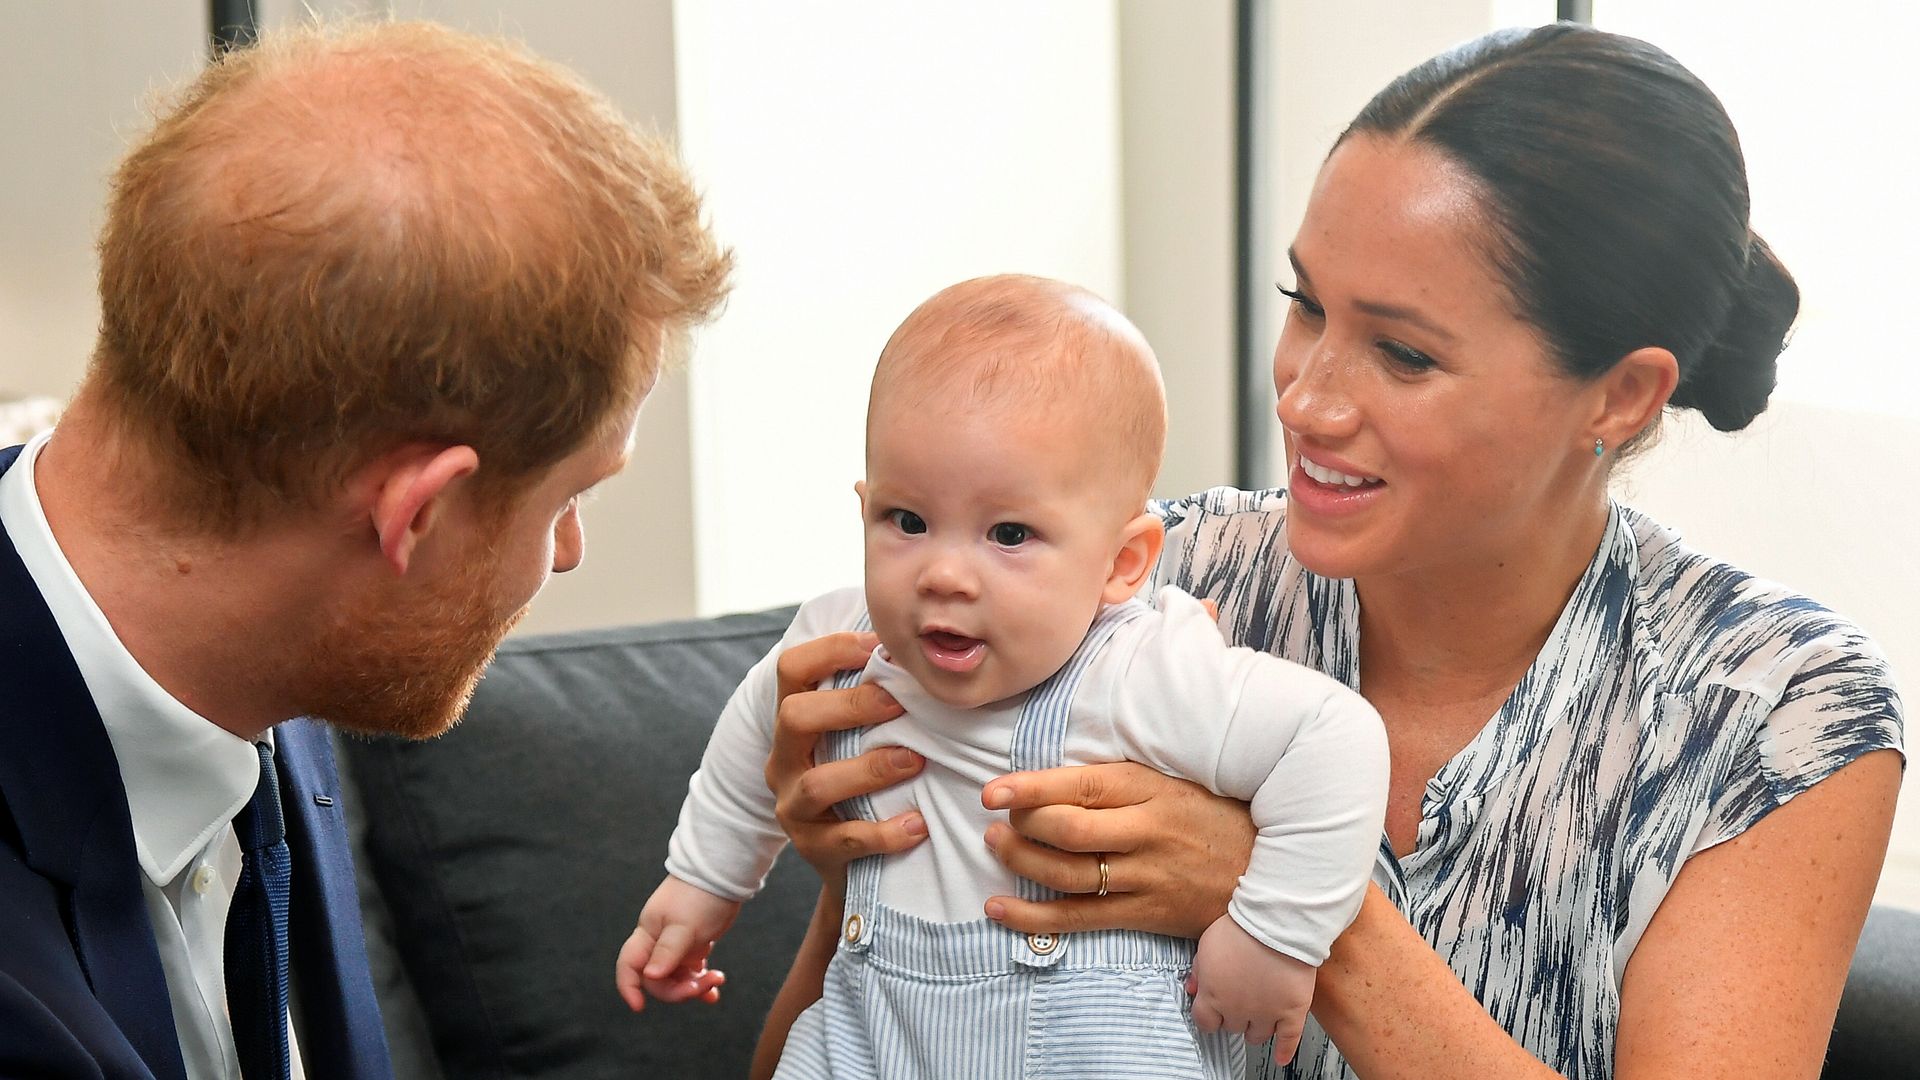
(351, 380)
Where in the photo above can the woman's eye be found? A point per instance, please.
(1307, 307)
(907, 522)
(1008, 534)
(1407, 357)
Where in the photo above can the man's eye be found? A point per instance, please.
(1008, 534)
(907, 522)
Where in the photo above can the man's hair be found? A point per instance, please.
(343, 240)
(1015, 342)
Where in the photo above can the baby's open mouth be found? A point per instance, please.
(953, 652)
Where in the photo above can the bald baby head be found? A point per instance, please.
(1034, 350)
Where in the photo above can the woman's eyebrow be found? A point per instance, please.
(1299, 272)
(1381, 310)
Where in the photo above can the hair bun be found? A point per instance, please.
(1733, 376)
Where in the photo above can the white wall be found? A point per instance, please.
(1815, 101)
(640, 554)
(861, 156)
(73, 77)
(1177, 151)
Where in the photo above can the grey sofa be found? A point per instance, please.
(502, 865)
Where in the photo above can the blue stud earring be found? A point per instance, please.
(1599, 447)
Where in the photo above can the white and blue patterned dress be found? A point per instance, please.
(1676, 702)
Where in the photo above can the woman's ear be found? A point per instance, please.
(411, 494)
(1632, 394)
(1140, 541)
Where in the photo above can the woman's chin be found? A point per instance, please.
(1324, 555)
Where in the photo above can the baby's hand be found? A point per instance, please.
(1241, 986)
(666, 956)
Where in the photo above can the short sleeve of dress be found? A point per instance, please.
(1838, 704)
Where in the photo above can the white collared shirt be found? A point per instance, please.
(185, 777)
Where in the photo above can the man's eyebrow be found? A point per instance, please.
(1380, 310)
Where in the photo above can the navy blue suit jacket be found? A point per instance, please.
(82, 993)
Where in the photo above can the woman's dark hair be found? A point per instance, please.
(1618, 199)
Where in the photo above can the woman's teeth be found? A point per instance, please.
(1329, 476)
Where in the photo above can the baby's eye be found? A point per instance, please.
(1009, 534)
(907, 522)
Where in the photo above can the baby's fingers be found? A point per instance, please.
(626, 970)
(1205, 1016)
(1286, 1040)
(675, 943)
(682, 985)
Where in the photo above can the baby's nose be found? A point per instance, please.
(948, 575)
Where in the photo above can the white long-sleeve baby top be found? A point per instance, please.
(1308, 754)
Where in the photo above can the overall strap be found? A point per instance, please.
(863, 875)
(1040, 735)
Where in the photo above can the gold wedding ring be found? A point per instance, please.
(1103, 877)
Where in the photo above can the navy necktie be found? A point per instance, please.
(256, 939)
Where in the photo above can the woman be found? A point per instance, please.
(1639, 799)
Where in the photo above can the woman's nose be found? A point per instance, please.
(1315, 383)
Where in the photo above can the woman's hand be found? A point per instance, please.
(804, 796)
(1174, 850)
(805, 793)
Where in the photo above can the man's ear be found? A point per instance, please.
(1633, 393)
(412, 494)
(1140, 542)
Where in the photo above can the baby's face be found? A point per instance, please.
(990, 535)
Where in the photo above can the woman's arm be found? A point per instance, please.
(803, 985)
(1738, 975)
(804, 797)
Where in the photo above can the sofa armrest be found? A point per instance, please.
(1877, 1034)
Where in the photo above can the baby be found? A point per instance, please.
(1014, 428)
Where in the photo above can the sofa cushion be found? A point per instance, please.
(1877, 1034)
(515, 851)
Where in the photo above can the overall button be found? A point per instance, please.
(853, 929)
(202, 880)
(1043, 944)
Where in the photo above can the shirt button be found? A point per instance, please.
(202, 880)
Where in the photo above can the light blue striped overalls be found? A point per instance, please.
(908, 999)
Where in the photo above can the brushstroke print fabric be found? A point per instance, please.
(1676, 702)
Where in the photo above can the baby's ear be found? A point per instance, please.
(1140, 541)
